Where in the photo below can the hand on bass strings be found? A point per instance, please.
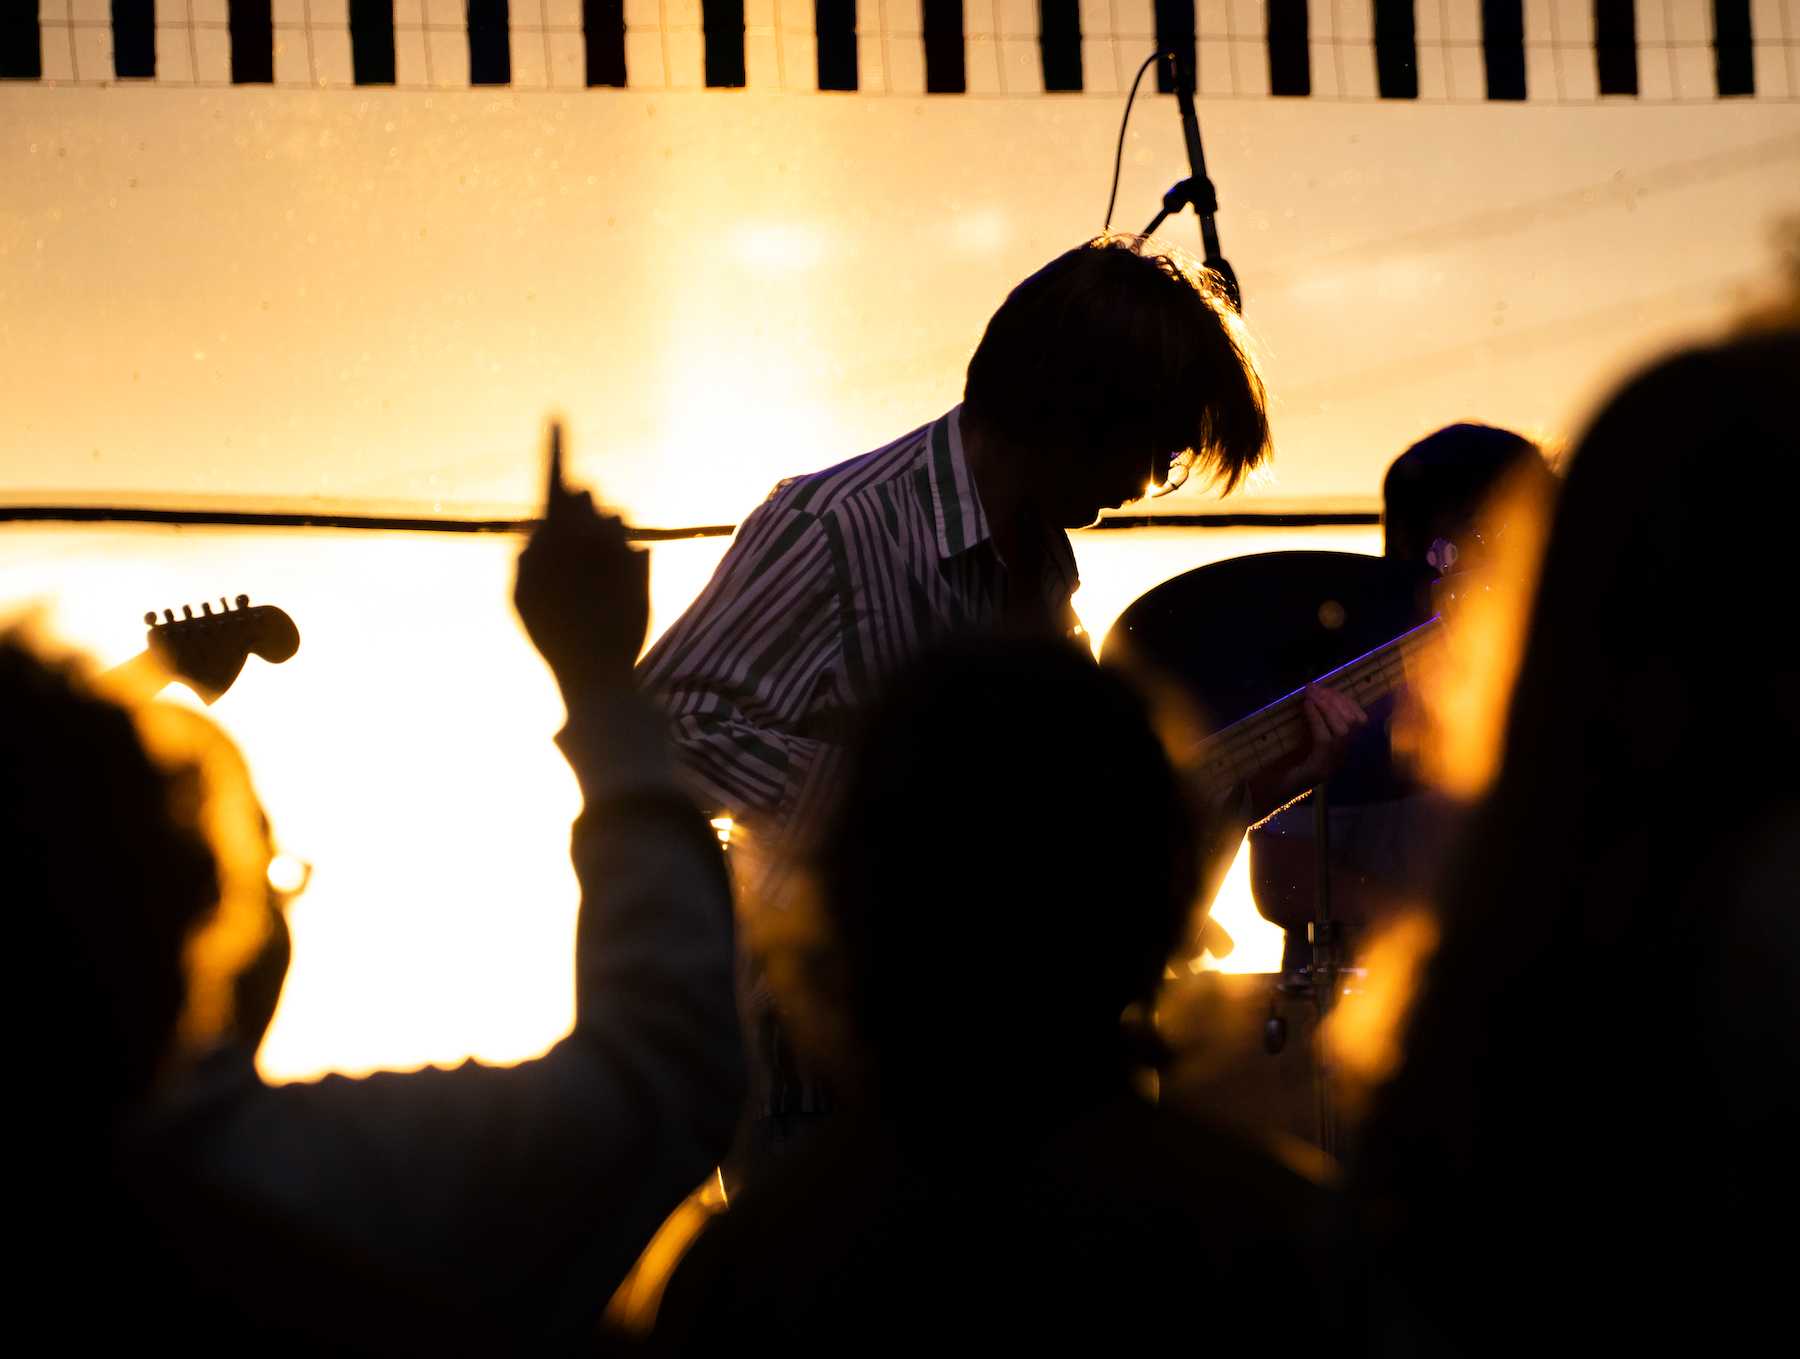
(1331, 718)
(582, 591)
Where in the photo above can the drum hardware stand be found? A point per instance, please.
(1324, 934)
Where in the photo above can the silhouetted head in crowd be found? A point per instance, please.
(1008, 867)
(108, 873)
(134, 879)
(1112, 365)
(1595, 1049)
(1438, 489)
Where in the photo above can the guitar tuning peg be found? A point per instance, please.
(223, 606)
(243, 601)
(187, 610)
(168, 615)
(150, 619)
(206, 608)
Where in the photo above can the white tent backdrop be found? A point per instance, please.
(257, 296)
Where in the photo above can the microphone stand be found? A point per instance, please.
(1196, 191)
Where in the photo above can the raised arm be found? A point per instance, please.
(524, 1193)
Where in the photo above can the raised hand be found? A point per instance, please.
(582, 591)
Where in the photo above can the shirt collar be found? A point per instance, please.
(957, 515)
(955, 507)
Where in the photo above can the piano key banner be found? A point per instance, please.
(1457, 51)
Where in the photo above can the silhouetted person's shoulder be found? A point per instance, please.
(1131, 1224)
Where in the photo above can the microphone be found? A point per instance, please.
(1197, 189)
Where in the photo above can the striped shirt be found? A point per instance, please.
(835, 580)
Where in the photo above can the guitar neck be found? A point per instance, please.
(1276, 733)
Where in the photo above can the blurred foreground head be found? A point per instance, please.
(1008, 868)
(135, 857)
(1595, 1100)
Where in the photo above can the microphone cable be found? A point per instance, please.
(1119, 155)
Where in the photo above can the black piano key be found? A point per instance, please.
(1174, 31)
(1732, 59)
(490, 43)
(1396, 50)
(252, 43)
(835, 23)
(1503, 47)
(21, 47)
(945, 72)
(134, 39)
(1290, 52)
(372, 42)
(603, 33)
(1615, 46)
(1059, 29)
(722, 21)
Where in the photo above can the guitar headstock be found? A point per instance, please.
(208, 650)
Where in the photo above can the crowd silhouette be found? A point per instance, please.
(1586, 1140)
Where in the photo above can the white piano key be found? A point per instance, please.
(1687, 21)
(86, 12)
(762, 59)
(530, 59)
(1578, 75)
(1355, 21)
(1319, 25)
(410, 69)
(56, 52)
(903, 18)
(800, 66)
(1357, 73)
(446, 14)
(1212, 68)
(1435, 74)
(1212, 19)
(1467, 75)
(1460, 20)
(328, 16)
(682, 14)
(174, 55)
(1022, 65)
(1019, 18)
(1096, 22)
(1250, 70)
(286, 13)
(905, 64)
(568, 61)
(1574, 21)
(1136, 19)
(1770, 70)
(759, 14)
(293, 59)
(331, 55)
(871, 60)
(52, 12)
(1100, 66)
(981, 63)
(1695, 76)
(1542, 73)
(209, 12)
(1326, 62)
(449, 52)
(644, 65)
(685, 53)
(1249, 18)
(643, 16)
(212, 56)
(409, 14)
